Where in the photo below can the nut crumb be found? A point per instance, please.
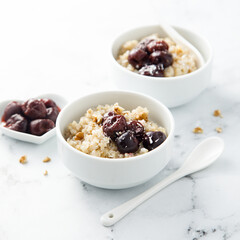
(47, 159)
(218, 129)
(94, 119)
(99, 120)
(118, 110)
(197, 130)
(142, 116)
(23, 159)
(45, 173)
(217, 113)
(79, 136)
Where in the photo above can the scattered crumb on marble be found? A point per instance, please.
(214, 230)
(23, 159)
(217, 113)
(197, 130)
(46, 159)
(197, 234)
(218, 129)
(201, 233)
(177, 136)
(45, 173)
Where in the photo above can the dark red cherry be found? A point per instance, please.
(52, 113)
(152, 70)
(144, 43)
(162, 57)
(127, 142)
(34, 109)
(114, 126)
(152, 140)
(157, 46)
(12, 108)
(17, 122)
(137, 128)
(137, 54)
(48, 102)
(136, 57)
(108, 114)
(40, 126)
(134, 63)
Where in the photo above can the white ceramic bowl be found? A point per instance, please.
(171, 91)
(115, 173)
(26, 137)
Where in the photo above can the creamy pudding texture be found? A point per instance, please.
(157, 57)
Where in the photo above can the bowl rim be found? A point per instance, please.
(163, 79)
(115, 160)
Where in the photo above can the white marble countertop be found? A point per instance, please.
(54, 46)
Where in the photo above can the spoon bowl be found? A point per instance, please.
(203, 155)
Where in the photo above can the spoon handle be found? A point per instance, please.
(113, 216)
(176, 37)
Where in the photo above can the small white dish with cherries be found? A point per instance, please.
(32, 120)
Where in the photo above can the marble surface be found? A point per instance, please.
(61, 47)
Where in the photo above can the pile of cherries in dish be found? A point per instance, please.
(128, 135)
(150, 57)
(35, 116)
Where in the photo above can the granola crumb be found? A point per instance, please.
(118, 110)
(23, 159)
(79, 136)
(197, 130)
(218, 129)
(142, 116)
(45, 173)
(217, 113)
(94, 119)
(47, 159)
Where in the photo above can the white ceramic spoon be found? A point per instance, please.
(201, 157)
(180, 40)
